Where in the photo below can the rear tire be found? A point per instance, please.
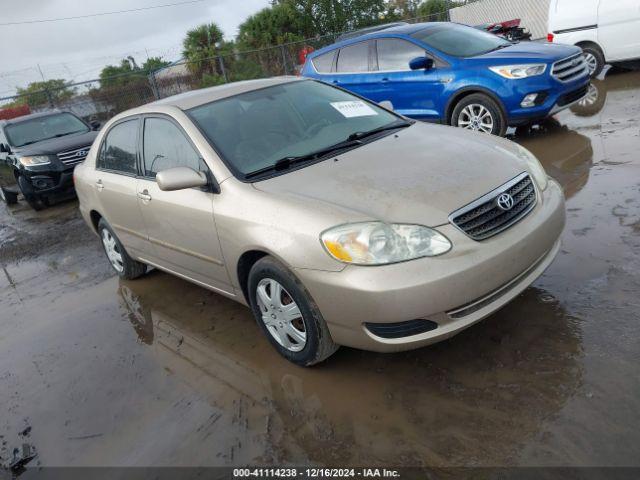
(595, 59)
(34, 200)
(479, 112)
(268, 276)
(125, 266)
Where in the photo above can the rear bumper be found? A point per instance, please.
(454, 290)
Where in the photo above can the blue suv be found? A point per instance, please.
(455, 74)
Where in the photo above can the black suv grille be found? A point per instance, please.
(485, 218)
(77, 155)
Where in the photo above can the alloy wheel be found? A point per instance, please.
(111, 248)
(592, 62)
(476, 117)
(281, 315)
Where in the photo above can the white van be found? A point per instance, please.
(607, 30)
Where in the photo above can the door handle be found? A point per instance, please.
(144, 195)
(336, 82)
(385, 79)
(99, 185)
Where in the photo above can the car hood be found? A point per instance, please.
(57, 145)
(534, 51)
(420, 175)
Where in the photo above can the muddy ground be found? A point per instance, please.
(161, 372)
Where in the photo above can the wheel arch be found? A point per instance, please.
(591, 43)
(246, 261)
(95, 217)
(465, 92)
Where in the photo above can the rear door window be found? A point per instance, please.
(166, 146)
(395, 54)
(354, 58)
(324, 63)
(119, 148)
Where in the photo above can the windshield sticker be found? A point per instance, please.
(354, 109)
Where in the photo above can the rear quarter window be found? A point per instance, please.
(324, 63)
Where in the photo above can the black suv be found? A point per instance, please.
(43, 149)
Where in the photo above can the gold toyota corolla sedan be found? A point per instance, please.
(337, 221)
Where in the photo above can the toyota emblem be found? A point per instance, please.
(505, 202)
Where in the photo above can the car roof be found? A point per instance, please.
(407, 29)
(31, 116)
(194, 98)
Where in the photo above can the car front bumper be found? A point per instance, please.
(50, 182)
(454, 290)
(557, 96)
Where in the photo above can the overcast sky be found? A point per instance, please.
(77, 49)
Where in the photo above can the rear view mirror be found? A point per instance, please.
(386, 104)
(180, 178)
(421, 63)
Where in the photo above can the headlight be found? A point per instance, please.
(537, 170)
(519, 71)
(378, 243)
(37, 160)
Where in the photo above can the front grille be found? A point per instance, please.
(77, 155)
(574, 96)
(570, 68)
(483, 218)
(401, 329)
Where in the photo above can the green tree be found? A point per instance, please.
(274, 25)
(434, 10)
(335, 16)
(42, 93)
(154, 63)
(201, 45)
(120, 75)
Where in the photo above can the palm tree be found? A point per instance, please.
(200, 46)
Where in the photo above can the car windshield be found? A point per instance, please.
(459, 40)
(44, 128)
(253, 130)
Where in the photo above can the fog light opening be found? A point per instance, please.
(529, 100)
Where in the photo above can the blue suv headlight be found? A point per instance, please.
(519, 71)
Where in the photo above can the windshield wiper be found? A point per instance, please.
(391, 126)
(287, 162)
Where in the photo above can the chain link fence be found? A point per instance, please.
(101, 99)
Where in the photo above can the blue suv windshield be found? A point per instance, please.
(459, 40)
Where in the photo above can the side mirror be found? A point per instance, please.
(95, 125)
(4, 148)
(386, 104)
(180, 178)
(421, 63)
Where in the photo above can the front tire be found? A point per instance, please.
(287, 314)
(122, 263)
(480, 113)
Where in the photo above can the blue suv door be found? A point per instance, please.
(415, 93)
(352, 70)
